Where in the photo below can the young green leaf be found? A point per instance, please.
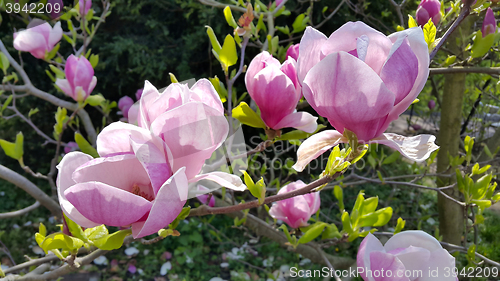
(112, 241)
(85, 146)
(228, 55)
(247, 116)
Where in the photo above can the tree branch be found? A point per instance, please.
(26, 185)
(19, 212)
(461, 69)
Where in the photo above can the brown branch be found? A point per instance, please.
(205, 210)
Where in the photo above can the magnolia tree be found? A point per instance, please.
(184, 144)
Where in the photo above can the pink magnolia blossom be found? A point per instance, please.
(428, 9)
(204, 197)
(293, 51)
(70, 146)
(124, 105)
(85, 6)
(361, 80)
(489, 23)
(80, 80)
(295, 211)
(276, 90)
(278, 2)
(413, 253)
(431, 104)
(38, 39)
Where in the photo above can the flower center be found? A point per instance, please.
(137, 191)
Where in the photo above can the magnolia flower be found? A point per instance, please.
(38, 39)
(276, 90)
(80, 80)
(410, 255)
(142, 178)
(489, 23)
(124, 105)
(295, 211)
(293, 51)
(361, 80)
(431, 104)
(85, 6)
(428, 9)
(138, 94)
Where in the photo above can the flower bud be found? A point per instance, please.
(70, 146)
(80, 80)
(489, 23)
(138, 94)
(124, 105)
(56, 5)
(428, 9)
(295, 211)
(85, 6)
(38, 39)
(204, 197)
(293, 52)
(431, 104)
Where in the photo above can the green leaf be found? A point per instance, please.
(228, 55)
(94, 60)
(75, 229)
(482, 44)
(61, 241)
(482, 204)
(411, 22)
(429, 33)
(33, 111)
(346, 223)
(392, 158)
(42, 230)
(399, 226)
(58, 72)
(481, 186)
(96, 233)
(450, 60)
(339, 194)
(312, 232)
(50, 55)
(7, 102)
(229, 17)
(331, 232)
(14, 150)
(85, 146)
(247, 116)
(173, 79)
(300, 23)
(369, 206)
(4, 63)
(377, 218)
(182, 215)
(260, 24)
(219, 87)
(112, 241)
(95, 100)
(213, 39)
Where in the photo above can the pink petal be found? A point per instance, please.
(166, 206)
(289, 67)
(204, 91)
(388, 263)
(133, 114)
(275, 94)
(64, 85)
(309, 51)
(415, 37)
(413, 258)
(300, 120)
(30, 41)
(66, 167)
(121, 171)
(115, 138)
(55, 35)
(442, 261)
(152, 158)
(416, 238)
(192, 132)
(149, 96)
(92, 84)
(343, 88)
(417, 148)
(105, 204)
(346, 39)
(316, 145)
(400, 70)
(84, 74)
(258, 63)
(70, 69)
(369, 244)
(223, 179)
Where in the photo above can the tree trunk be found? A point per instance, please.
(451, 215)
